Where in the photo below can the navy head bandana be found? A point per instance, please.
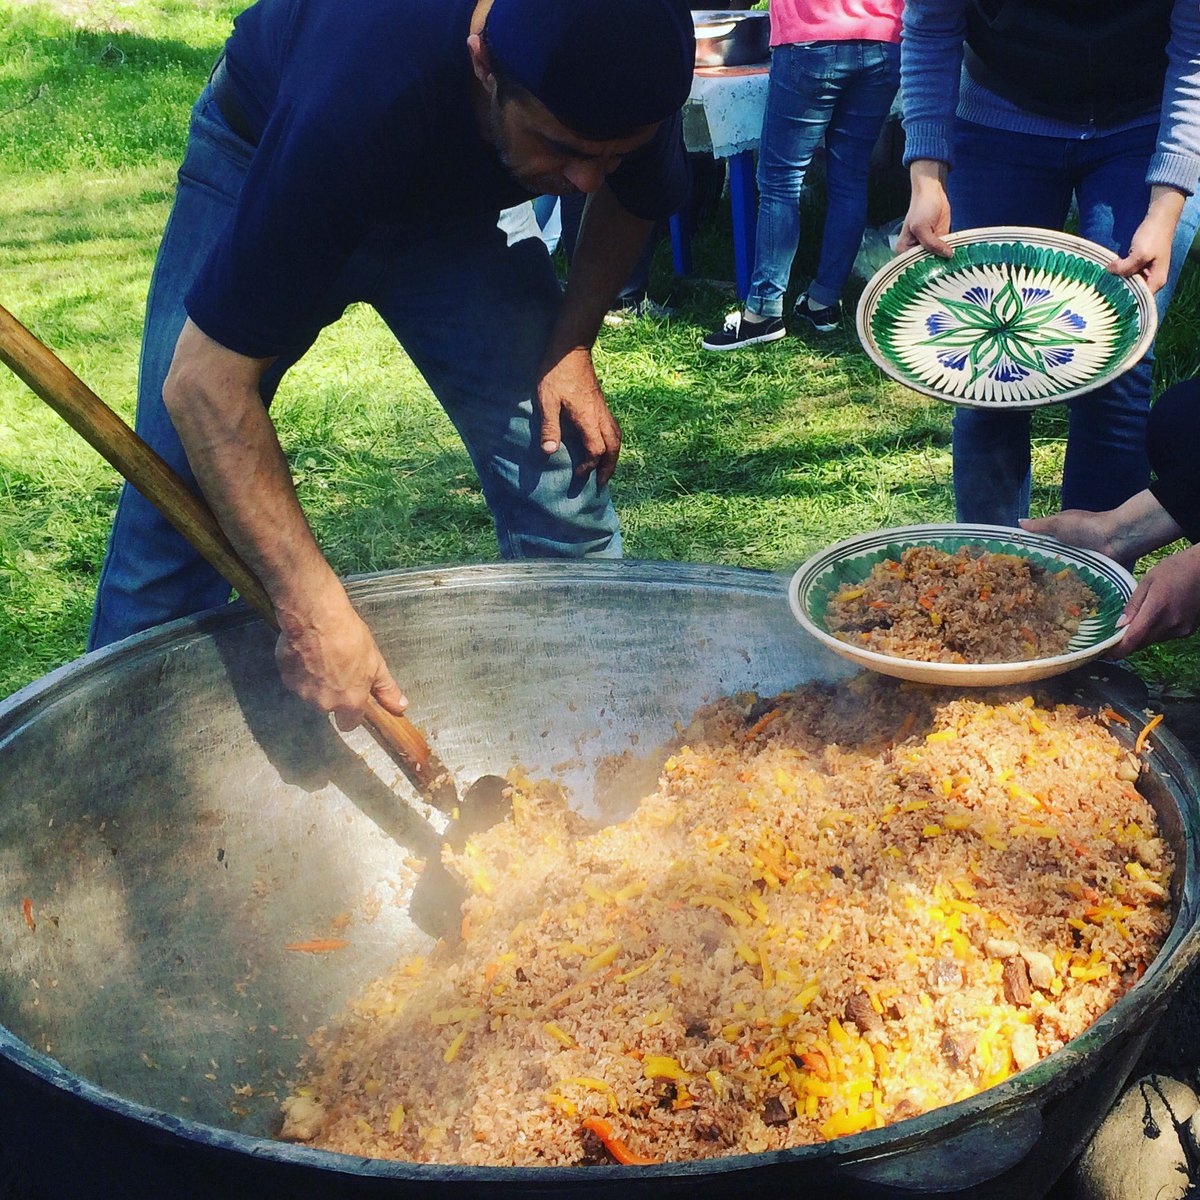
(604, 68)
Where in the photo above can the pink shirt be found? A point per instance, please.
(835, 21)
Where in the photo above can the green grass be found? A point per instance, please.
(755, 459)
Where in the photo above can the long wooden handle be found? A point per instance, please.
(89, 416)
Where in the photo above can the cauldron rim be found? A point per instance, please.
(1046, 1079)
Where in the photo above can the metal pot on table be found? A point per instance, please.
(731, 38)
(175, 820)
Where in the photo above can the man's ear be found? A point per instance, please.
(481, 63)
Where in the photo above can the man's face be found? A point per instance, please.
(545, 157)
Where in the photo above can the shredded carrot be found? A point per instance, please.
(1110, 714)
(814, 1060)
(613, 1144)
(761, 724)
(27, 913)
(775, 866)
(318, 945)
(1143, 737)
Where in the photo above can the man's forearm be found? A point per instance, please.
(238, 462)
(610, 241)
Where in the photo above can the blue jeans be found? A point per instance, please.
(472, 306)
(840, 92)
(1004, 178)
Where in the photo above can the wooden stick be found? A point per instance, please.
(100, 427)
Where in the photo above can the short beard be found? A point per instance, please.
(535, 185)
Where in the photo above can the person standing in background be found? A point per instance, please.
(1098, 102)
(835, 70)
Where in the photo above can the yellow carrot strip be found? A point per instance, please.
(736, 915)
(602, 960)
(643, 968)
(454, 1047)
(1142, 737)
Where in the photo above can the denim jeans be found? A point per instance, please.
(473, 306)
(840, 92)
(1005, 178)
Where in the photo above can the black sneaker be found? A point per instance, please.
(823, 320)
(736, 333)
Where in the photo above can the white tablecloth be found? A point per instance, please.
(724, 113)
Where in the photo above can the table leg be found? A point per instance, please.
(681, 242)
(744, 202)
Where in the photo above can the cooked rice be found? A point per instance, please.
(966, 607)
(841, 907)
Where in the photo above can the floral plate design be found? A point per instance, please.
(1016, 318)
(850, 561)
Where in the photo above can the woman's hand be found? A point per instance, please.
(928, 217)
(1150, 251)
(1166, 604)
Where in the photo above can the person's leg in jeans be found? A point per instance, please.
(854, 128)
(150, 572)
(475, 314)
(1106, 459)
(1000, 178)
(805, 82)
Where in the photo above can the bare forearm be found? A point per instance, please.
(238, 462)
(1141, 525)
(610, 241)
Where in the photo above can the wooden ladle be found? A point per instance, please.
(89, 416)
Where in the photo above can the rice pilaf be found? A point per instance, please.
(965, 607)
(841, 907)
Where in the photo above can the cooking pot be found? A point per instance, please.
(729, 38)
(175, 820)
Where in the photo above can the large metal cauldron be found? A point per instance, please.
(175, 819)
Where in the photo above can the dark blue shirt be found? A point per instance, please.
(366, 119)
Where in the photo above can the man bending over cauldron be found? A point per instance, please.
(362, 151)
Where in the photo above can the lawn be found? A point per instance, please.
(755, 459)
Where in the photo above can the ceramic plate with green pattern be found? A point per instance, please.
(850, 562)
(1015, 318)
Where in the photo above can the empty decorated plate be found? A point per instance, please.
(964, 605)
(1015, 318)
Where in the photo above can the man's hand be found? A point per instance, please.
(1166, 604)
(336, 665)
(1150, 251)
(325, 652)
(569, 388)
(928, 218)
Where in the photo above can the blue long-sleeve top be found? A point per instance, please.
(935, 87)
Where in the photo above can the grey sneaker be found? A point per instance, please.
(823, 320)
(736, 333)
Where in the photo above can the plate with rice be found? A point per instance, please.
(1016, 318)
(962, 605)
